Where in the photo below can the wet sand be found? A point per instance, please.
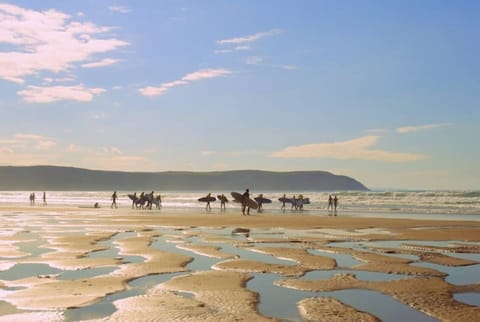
(67, 238)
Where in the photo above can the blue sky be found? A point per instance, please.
(384, 91)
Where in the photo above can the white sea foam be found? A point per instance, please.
(407, 202)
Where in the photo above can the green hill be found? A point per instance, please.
(67, 178)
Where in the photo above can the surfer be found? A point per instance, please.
(208, 207)
(300, 202)
(294, 202)
(222, 202)
(335, 203)
(259, 200)
(330, 202)
(114, 199)
(283, 202)
(44, 198)
(245, 196)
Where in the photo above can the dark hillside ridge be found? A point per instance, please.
(68, 178)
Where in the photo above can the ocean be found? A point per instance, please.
(444, 204)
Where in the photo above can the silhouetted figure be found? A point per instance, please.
(283, 202)
(294, 202)
(330, 202)
(134, 199)
(300, 203)
(245, 196)
(335, 203)
(223, 205)
(32, 199)
(44, 198)
(260, 202)
(208, 207)
(114, 199)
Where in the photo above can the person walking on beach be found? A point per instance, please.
(32, 199)
(300, 202)
(260, 202)
(114, 199)
(294, 203)
(335, 203)
(223, 205)
(44, 198)
(208, 207)
(245, 196)
(330, 202)
(283, 202)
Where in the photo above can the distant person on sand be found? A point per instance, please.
(335, 203)
(294, 202)
(330, 202)
(44, 198)
(222, 202)
(32, 199)
(245, 196)
(114, 199)
(208, 207)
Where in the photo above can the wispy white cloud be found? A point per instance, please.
(50, 80)
(47, 41)
(244, 42)
(250, 38)
(207, 153)
(38, 94)
(360, 148)
(288, 67)
(254, 60)
(119, 9)
(101, 63)
(195, 76)
(409, 129)
(27, 141)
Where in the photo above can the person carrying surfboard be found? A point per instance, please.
(259, 200)
(208, 207)
(283, 202)
(245, 196)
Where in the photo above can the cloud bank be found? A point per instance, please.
(360, 148)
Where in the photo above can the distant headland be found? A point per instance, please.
(69, 178)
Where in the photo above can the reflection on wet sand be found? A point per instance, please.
(103, 265)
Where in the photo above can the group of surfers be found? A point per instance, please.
(297, 202)
(147, 200)
(143, 201)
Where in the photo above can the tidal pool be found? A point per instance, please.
(468, 298)
(280, 302)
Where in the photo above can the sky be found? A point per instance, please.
(386, 92)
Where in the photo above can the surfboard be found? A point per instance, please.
(224, 198)
(287, 200)
(262, 200)
(207, 199)
(248, 202)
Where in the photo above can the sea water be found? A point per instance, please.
(430, 204)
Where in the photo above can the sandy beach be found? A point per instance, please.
(67, 263)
